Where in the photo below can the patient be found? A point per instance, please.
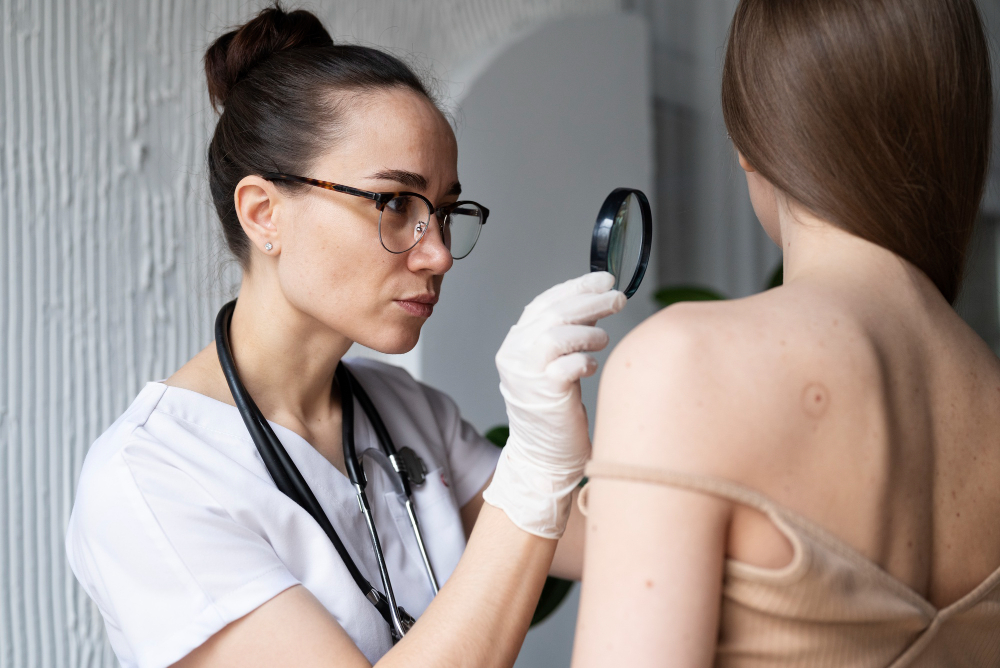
(811, 476)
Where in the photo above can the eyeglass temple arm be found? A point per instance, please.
(380, 198)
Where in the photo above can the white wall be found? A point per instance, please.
(708, 234)
(557, 121)
(546, 131)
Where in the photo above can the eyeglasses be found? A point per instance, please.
(405, 216)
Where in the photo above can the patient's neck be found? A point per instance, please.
(817, 251)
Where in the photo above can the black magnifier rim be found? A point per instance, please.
(601, 239)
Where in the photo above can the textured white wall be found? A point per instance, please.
(108, 252)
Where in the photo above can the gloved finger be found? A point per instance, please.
(594, 282)
(570, 368)
(586, 308)
(566, 339)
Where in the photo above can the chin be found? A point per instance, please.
(394, 340)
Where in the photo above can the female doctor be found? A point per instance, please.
(179, 533)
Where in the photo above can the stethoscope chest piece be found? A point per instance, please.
(407, 462)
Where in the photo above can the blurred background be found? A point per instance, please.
(111, 267)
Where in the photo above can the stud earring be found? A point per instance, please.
(268, 246)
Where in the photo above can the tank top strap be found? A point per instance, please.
(686, 481)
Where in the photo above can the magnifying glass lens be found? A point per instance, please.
(625, 247)
(622, 238)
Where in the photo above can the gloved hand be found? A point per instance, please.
(540, 363)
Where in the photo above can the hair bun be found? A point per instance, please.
(232, 56)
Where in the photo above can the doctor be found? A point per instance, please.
(335, 179)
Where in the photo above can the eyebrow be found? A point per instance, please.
(412, 180)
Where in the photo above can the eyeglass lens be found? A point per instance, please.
(404, 222)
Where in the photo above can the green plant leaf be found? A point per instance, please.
(554, 593)
(555, 590)
(685, 293)
(498, 435)
(777, 277)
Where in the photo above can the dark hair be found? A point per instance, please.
(874, 114)
(276, 81)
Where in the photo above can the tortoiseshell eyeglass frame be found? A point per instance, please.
(383, 198)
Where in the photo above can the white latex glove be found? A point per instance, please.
(541, 363)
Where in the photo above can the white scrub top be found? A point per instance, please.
(178, 530)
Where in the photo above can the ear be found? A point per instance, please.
(745, 164)
(255, 200)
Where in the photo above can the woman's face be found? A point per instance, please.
(331, 264)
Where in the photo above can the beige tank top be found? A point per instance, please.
(831, 606)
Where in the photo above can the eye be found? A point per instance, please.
(400, 205)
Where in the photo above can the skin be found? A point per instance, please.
(326, 283)
(872, 412)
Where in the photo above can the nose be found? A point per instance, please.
(431, 252)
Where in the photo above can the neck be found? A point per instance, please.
(286, 358)
(818, 251)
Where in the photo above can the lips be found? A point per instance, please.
(421, 306)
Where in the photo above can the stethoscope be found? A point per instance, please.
(404, 467)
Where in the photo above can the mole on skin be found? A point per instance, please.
(815, 400)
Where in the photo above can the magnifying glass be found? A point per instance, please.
(622, 238)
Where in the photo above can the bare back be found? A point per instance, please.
(871, 414)
(893, 441)
(874, 414)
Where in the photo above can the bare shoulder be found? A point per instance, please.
(730, 388)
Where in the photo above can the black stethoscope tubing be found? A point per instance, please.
(288, 479)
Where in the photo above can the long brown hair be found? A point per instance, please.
(873, 114)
